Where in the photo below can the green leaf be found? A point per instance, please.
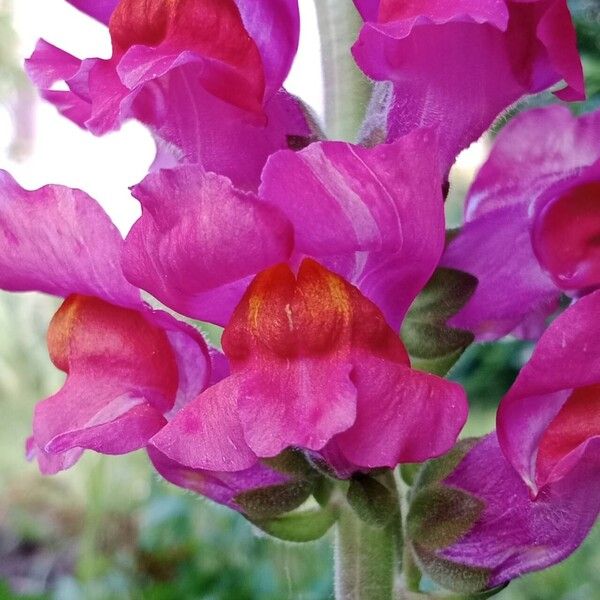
(372, 501)
(304, 526)
(431, 344)
(270, 501)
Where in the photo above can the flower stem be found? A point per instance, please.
(364, 560)
(347, 90)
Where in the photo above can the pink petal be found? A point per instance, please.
(368, 9)
(122, 375)
(207, 433)
(517, 534)
(203, 129)
(59, 241)
(51, 464)
(288, 344)
(496, 248)
(221, 487)
(535, 150)
(565, 233)
(275, 28)
(403, 415)
(150, 38)
(176, 108)
(304, 403)
(446, 59)
(198, 241)
(375, 215)
(99, 9)
(49, 65)
(565, 360)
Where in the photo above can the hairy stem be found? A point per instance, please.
(347, 90)
(364, 560)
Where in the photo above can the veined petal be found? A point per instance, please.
(199, 128)
(306, 352)
(524, 200)
(121, 373)
(152, 37)
(199, 240)
(566, 230)
(59, 241)
(375, 216)
(207, 433)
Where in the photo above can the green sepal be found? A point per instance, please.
(323, 490)
(432, 345)
(274, 500)
(372, 501)
(302, 526)
(291, 462)
(487, 593)
(439, 516)
(409, 472)
(452, 576)
(436, 470)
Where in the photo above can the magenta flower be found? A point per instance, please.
(500, 531)
(204, 75)
(530, 223)
(314, 366)
(127, 365)
(374, 216)
(458, 64)
(534, 490)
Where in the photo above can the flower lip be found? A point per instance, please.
(566, 237)
(309, 314)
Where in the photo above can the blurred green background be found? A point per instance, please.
(110, 529)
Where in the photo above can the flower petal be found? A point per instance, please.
(535, 150)
(566, 229)
(496, 248)
(517, 534)
(403, 416)
(290, 339)
(221, 487)
(566, 362)
(59, 241)
(446, 59)
(207, 433)
(99, 9)
(122, 377)
(198, 241)
(375, 216)
(151, 37)
(275, 28)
